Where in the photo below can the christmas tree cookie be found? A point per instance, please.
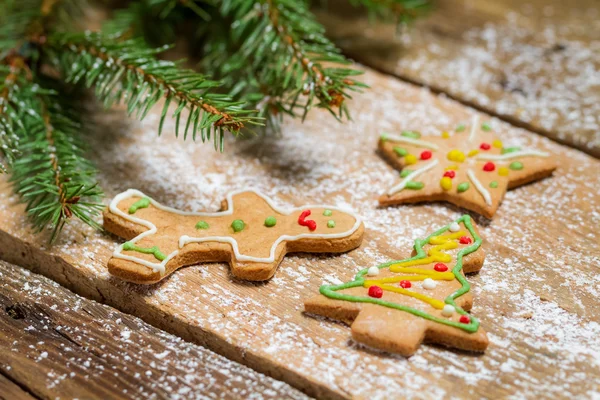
(397, 305)
(469, 167)
(251, 233)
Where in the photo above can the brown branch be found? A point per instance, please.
(62, 197)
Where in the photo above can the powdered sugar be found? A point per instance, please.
(541, 228)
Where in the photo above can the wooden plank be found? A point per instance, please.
(11, 391)
(536, 294)
(59, 345)
(535, 64)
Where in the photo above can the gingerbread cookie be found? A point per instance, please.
(397, 305)
(469, 167)
(251, 233)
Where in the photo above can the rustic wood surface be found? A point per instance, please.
(535, 64)
(536, 295)
(57, 344)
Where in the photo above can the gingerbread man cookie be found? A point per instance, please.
(251, 233)
(470, 168)
(399, 304)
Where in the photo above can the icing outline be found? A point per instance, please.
(473, 325)
(185, 239)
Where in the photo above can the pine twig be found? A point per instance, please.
(286, 51)
(51, 174)
(129, 71)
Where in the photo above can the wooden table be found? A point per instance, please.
(536, 295)
(57, 344)
(535, 64)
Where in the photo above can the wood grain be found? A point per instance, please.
(535, 64)
(59, 345)
(536, 295)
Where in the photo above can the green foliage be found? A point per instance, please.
(400, 11)
(51, 173)
(276, 56)
(268, 58)
(128, 71)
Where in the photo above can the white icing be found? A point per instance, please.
(183, 240)
(474, 126)
(416, 142)
(454, 227)
(508, 156)
(483, 191)
(448, 310)
(412, 175)
(429, 284)
(373, 271)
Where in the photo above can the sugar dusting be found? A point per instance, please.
(535, 295)
(539, 65)
(98, 345)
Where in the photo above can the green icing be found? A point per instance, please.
(238, 225)
(414, 185)
(516, 165)
(460, 128)
(400, 151)
(331, 223)
(141, 203)
(384, 136)
(270, 222)
(494, 184)
(463, 187)
(506, 150)
(327, 213)
(411, 134)
(486, 127)
(404, 173)
(128, 246)
(202, 225)
(331, 291)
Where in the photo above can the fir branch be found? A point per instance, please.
(51, 174)
(15, 90)
(129, 71)
(402, 11)
(285, 54)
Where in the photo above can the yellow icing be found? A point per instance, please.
(497, 144)
(446, 183)
(473, 152)
(434, 254)
(503, 171)
(456, 156)
(410, 159)
(451, 168)
(445, 135)
(442, 242)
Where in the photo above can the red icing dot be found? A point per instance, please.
(489, 166)
(375, 291)
(426, 155)
(405, 284)
(440, 267)
(465, 240)
(485, 146)
(450, 174)
(312, 225)
(464, 319)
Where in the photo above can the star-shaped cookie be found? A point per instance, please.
(469, 167)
